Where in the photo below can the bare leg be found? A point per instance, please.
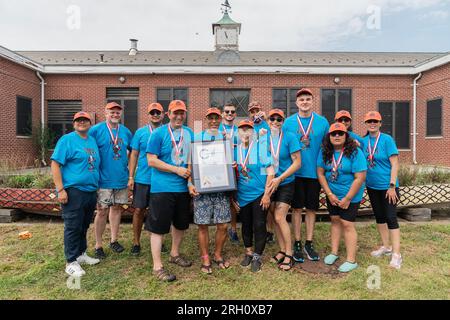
(221, 237)
(351, 238)
(336, 229)
(297, 224)
(270, 223)
(384, 233)
(203, 242)
(138, 221)
(115, 215)
(156, 243)
(177, 237)
(233, 219)
(281, 210)
(310, 221)
(100, 226)
(395, 239)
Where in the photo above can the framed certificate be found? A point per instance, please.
(212, 169)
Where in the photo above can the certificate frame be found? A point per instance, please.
(217, 161)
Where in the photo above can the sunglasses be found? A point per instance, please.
(344, 120)
(277, 119)
(155, 113)
(230, 111)
(372, 121)
(337, 133)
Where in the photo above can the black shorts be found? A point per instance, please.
(167, 208)
(348, 214)
(306, 195)
(284, 193)
(141, 195)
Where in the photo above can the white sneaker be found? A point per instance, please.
(85, 259)
(381, 251)
(396, 261)
(74, 269)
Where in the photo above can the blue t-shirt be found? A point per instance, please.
(139, 143)
(356, 137)
(226, 129)
(114, 163)
(319, 129)
(249, 189)
(79, 160)
(289, 145)
(205, 136)
(346, 171)
(258, 126)
(160, 144)
(379, 176)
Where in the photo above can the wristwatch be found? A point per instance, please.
(391, 185)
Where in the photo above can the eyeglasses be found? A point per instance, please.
(230, 111)
(82, 120)
(337, 133)
(344, 119)
(155, 112)
(372, 121)
(277, 119)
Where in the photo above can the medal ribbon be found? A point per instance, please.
(372, 152)
(305, 134)
(226, 132)
(178, 146)
(114, 140)
(150, 128)
(244, 165)
(276, 154)
(336, 164)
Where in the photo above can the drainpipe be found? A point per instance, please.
(415, 118)
(42, 117)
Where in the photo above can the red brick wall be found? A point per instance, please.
(434, 84)
(16, 80)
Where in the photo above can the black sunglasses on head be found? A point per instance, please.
(337, 133)
(155, 112)
(278, 119)
(372, 121)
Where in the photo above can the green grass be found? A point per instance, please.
(34, 269)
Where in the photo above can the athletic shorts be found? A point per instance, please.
(348, 214)
(141, 195)
(306, 195)
(110, 197)
(284, 193)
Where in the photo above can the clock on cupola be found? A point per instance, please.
(227, 31)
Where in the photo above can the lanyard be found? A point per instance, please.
(337, 163)
(244, 164)
(372, 152)
(178, 146)
(276, 154)
(114, 140)
(228, 135)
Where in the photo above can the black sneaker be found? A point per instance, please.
(116, 247)
(247, 260)
(256, 264)
(269, 238)
(136, 250)
(100, 254)
(298, 254)
(310, 252)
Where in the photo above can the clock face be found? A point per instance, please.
(227, 36)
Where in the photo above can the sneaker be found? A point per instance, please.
(99, 253)
(136, 250)
(233, 236)
(330, 259)
(256, 263)
(298, 254)
(74, 269)
(116, 247)
(347, 266)
(381, 251)
(396, 261)
(269, 238)
(311, 253)
(85, 259)
(247, 260)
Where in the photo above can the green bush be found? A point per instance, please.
(19, 181)
(43, 181)
(411, 176)
(29, 181)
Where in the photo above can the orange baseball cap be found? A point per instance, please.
(177, 105)
(372, 115)
(304, 91)
(82, 114)
(343, 113)
(244, 123)
(253, 105)
(276, 111)
(213, 110)
(337, 127)
(155, 106)
(111, 105)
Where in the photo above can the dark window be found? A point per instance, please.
(238, 97)
(285, 99)
(24, 117)
(334, 100)
(165, 95)
(60, 116)
(128, 98)
(434, 118)
(396, 121)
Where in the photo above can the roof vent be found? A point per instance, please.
(133, 50)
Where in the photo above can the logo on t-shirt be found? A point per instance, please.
(91, 158)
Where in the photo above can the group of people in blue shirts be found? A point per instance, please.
(281, 165)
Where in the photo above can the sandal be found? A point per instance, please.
(180, 261)
(164, 275)
(276, 260)
(206, 268)
(222, 264)
(283, 265)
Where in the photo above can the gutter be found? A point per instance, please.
(42, 117)
(415, 118)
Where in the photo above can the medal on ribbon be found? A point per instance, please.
(371, 157)
(178, 146)
(115, 142)
(305, 139)
(334, 170)
(244, 169)
(228, 135)
(276, 154)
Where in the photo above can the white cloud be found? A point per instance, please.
(186, 25)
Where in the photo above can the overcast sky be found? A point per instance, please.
(322, 25)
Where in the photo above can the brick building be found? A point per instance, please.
(411, 90)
